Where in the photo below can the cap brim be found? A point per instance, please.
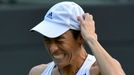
(50, 29)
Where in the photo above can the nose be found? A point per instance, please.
(53, 47)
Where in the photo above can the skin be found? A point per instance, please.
(65, 50)
(69, 49)
(88, 33)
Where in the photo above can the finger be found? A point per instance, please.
(84, 16)
(80, 19)
(91, 17)
(88, 16)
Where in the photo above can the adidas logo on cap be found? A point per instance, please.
(50, 15)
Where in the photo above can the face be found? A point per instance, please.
(63, 48)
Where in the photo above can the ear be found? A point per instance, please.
(80, 40)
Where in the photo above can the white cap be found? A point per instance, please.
(59, 19)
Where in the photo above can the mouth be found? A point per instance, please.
(61, 59)
(59, 56)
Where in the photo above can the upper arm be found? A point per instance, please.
(94, 70)
(37, 70)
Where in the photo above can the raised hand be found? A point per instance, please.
(87, 26)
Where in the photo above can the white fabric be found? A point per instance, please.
(59, 19)
(48, 70)
(84, 70)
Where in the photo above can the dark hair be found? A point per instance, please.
(75, 33)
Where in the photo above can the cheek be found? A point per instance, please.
(68, 49)
(47, 48)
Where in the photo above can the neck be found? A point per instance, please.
(75, 65)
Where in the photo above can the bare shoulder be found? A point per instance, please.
(37, 70)
(94, 70)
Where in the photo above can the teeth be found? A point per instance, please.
(58, 56)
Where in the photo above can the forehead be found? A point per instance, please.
(67, 34)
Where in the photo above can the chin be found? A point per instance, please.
(61, 65)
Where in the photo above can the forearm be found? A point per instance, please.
(107, 65)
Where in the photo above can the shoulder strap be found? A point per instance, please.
(49, 69)
(84, 70)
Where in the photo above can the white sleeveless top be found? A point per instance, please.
(84, 70)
